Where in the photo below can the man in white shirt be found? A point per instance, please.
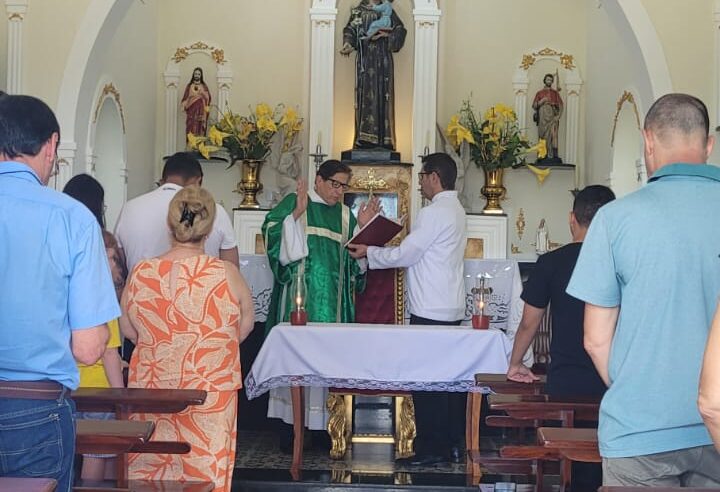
(142, 230)
(433, 255)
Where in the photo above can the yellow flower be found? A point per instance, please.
(540, 174)
(541, 148)
(266, 124)
(245, 129)
(194, 140)
(263, 111)
(206, 149)
(216, 136)
(458, 133)
(289, 119)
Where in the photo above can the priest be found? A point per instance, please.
(306, 232)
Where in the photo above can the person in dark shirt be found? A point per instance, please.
(571, 372)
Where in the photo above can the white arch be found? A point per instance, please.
(94, 35)
(647, 40)
(104, 90)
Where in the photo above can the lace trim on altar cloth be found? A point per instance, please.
(253, 389)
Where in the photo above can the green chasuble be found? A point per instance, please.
(332, 276)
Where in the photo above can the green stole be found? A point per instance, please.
(332, 276)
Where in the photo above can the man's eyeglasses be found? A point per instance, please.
(338, 184)
(422, 174)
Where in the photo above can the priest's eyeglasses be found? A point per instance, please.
(338, 184)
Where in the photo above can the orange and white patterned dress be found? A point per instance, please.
(187, 339)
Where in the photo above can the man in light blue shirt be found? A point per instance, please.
(57, 296)
(649, 272)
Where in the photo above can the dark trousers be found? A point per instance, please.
(439, 416)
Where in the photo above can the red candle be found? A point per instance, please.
(298, 317)
(480, 321)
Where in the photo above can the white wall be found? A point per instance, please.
(49, 29)
(265, 43)
(614, 64)
(481, 45)
(129, 62)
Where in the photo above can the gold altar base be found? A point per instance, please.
(340, 426)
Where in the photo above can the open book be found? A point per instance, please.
(378, 231)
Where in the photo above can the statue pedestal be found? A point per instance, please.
(378, 154)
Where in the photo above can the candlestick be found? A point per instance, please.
(319, 141)
(298, 317)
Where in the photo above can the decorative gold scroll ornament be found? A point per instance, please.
(109, 91)
(567, 61)
(217, 54)
(626, 97)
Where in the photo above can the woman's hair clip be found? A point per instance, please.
(188, 216)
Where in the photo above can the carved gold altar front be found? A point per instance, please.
(392, 179)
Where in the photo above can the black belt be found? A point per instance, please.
(32, 390)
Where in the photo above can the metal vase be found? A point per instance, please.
(493, 191)
(250, 184)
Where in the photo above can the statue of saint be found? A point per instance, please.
(374, 32)
(548, 107)
(196, 104)
(542, 243)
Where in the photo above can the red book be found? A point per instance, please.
(378, 231)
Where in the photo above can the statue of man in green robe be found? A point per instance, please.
(307, 231)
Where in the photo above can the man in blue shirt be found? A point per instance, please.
(649, 272)
(57, 296)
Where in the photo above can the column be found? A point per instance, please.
(66, 158)
(425, 78)
(520, 87)
(224, 82)
(322, 66)
(573, 85)
(16, 12)
(172, 78)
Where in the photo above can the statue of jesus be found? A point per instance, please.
(196, 104)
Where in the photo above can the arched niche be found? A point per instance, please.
(628, 168)
(106, 153)
(93, 37)
(174, 86)
(571, 85)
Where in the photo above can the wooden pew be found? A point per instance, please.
(497, 384)
(150, 486)
(537, 408)
(125, 401)
(15, 484)
(500, 384)
(111, 436)
(572, 444)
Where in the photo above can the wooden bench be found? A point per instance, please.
(497, 384)
(111, 436)
(530, 410)
(570, 443)
(125, 401)
(149, 486)
(25, 484)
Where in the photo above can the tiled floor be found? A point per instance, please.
(261, 463)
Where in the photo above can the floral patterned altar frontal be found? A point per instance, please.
(503, 305)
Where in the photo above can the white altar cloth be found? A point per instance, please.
(377, 357)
